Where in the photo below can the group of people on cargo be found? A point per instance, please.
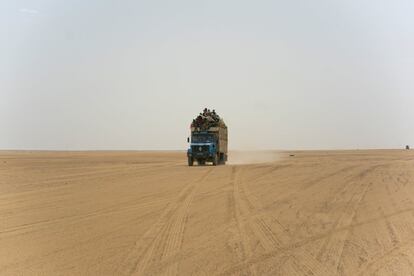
(206, 119)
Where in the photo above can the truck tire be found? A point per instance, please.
(190, 161)
(215, 160)
(222, 161)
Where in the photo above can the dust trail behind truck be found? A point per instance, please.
(208, 139)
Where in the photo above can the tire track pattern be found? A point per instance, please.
(243, 250)
(261, 225)
(250, 217)
(165, 236)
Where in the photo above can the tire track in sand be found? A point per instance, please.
(400, 251)
(336, 243)
(250, 209)
(243, 249)
(164, 238)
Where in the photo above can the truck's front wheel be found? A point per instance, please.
(190, 161)
(215, 160)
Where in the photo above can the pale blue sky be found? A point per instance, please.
(132, 74)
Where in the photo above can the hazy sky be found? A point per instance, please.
(132, 74)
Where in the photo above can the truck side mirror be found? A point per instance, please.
(188, 139)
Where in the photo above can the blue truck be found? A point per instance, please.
(208, 144)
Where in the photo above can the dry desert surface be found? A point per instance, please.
(147, 213)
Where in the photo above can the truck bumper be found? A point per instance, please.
(204, 156)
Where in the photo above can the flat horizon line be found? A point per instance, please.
(184, 150)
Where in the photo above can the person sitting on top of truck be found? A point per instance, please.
(215, 116)
(199, 120)
(206, 119)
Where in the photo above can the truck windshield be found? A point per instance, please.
(205, 138)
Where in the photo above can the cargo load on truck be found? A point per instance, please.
(208, 139)
(207, 119)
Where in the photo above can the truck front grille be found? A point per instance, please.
(199, 149)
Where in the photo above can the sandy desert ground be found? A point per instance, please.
(147, 213)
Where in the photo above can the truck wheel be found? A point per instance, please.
(190, 161)
(221, 159)
(215, 160)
